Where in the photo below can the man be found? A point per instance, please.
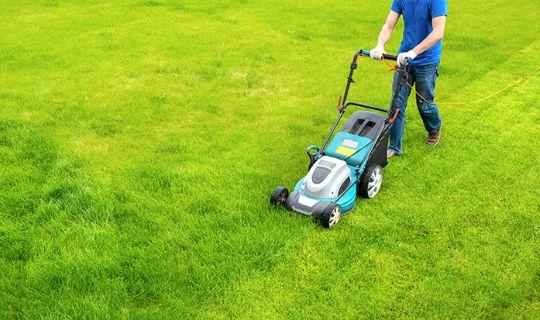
(422, 43)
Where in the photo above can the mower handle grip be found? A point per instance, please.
(386, 56)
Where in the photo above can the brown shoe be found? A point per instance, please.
(434, 137)
(390, 154)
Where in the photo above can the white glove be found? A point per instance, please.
(402, 57)
(376, 53)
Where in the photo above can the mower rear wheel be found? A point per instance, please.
(370, 182)
(279, 196)
(330, 215)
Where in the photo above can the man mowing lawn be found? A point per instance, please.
(422, 43)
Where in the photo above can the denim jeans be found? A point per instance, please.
(425, 78)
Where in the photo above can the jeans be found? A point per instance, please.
(425, 78)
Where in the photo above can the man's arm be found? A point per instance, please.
(387, 28)
(384, 35)
(435, 36)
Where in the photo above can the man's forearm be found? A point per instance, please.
(435, 36)
(384, 36)
(387, 28)
(430, 41)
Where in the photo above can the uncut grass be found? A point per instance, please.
(139, 143)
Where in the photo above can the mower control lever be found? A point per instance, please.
(364, 106)
(394, 116)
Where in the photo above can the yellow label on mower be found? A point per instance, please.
(345, 151)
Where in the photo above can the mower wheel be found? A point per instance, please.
(330, 215)
(370, 182)
(279, 196)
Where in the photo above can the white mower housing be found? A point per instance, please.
(325, 179)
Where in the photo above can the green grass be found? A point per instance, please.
(140, 140)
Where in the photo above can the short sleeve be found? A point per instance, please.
(396, 6)
(439, 8)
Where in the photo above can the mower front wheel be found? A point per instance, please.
(330, 215)
(279, 196)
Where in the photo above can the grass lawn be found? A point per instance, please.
(140, 140)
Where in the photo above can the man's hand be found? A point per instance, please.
(377, 53)
(402, 57)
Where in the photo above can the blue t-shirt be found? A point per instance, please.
(418, 16)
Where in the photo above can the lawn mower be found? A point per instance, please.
(349, 163)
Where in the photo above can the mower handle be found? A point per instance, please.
(365, 53)
(342, 105)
